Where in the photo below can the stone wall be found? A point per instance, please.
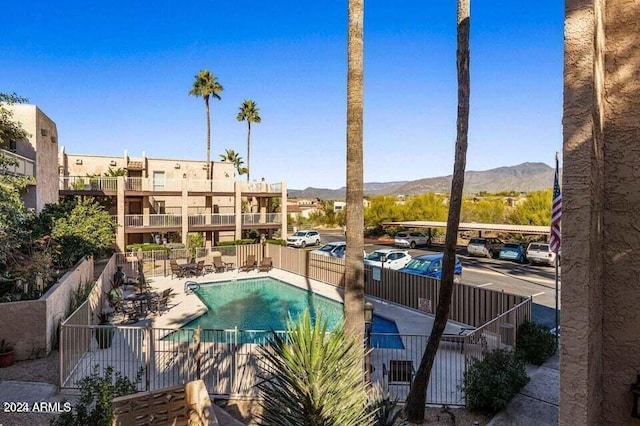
(31, 325)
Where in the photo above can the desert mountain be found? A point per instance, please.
(524, 177)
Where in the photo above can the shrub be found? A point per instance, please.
(535, 344)
(97, 392)
(235, 243)
(317, 377)
(276, 242)
(489, 384)
(146, 247)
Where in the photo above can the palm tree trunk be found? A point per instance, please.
(248, 148)
(354, 276)
(417, 395)
(206, 103)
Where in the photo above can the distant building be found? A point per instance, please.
(36, 156)
(163, 200)
(339, 206)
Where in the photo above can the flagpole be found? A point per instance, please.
(557, 323)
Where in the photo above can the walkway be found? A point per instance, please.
(538, 401)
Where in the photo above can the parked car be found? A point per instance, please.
(393, 258)
(540, 253)
(430, 265)
(335, 249)
(303, 238)
(411, 239)
(489, 247)
(513, 251)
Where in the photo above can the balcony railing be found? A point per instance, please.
(215, 219)
(261, 187)
(216, 185)
(133, 220)
(88, 183)
(165, 220)
(150, 184)
(22, 165)
(261, 218)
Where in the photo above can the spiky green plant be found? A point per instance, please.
(313, 377)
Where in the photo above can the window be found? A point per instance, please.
(158, 181)
(159, 207)
(12, 146)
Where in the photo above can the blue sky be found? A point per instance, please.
(115, 75)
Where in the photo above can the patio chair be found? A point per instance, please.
(266, 264)
(162, 301)
(176, 270)
(218, 265)
(400, 372)
(250, 264)
(199, 269)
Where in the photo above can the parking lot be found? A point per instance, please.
(525, 279)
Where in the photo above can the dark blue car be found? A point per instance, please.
(430, 265)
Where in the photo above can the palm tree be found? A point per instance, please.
(206, 85)
(250, 113)
(354, 276)
(233, 157)
(417, 395)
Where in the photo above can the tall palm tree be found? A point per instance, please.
(250, 113)
(233, 157)
(417, 395)
(354, 276)
(206, 85)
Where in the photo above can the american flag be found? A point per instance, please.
(556, 213)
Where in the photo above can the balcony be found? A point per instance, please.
(212, 219)
(155, 221)
(88, 183)
(260, 187)
(261, 218)
(22, 166)
(153, 185)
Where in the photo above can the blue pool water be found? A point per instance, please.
(264, 304)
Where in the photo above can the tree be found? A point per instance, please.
(418, 393)
(206, 85)
(534, 210)
(10, 130)
(233, 157)
(250, 113)
(427, 206)
(354, 276)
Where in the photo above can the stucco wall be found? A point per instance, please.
(31, 325)
(600, 346)
(42, 146)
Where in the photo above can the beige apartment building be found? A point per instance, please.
(163, 200)
(36, 156)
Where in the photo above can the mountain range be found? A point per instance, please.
(523, 177)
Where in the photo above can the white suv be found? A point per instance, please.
(411, 239)
(304, 238)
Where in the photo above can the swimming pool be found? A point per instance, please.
(262, 304)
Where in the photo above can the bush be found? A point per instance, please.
(535, 344)
(235, 243)
(489, 384)
(97, 392)
(145, 247)
(276, 242)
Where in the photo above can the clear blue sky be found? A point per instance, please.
(115, 75)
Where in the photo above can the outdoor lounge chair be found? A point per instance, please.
(218, 265)
(400, 372)
(156, 305)
(199, 269)
(250, 264)
(266, 264)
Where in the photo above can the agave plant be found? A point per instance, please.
(313, 377)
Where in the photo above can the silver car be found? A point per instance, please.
(489, 247)
(411, 239)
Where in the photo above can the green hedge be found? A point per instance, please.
(277, 242)
(490, 384)
(235, 243)
(146, 247)
(535, 344)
